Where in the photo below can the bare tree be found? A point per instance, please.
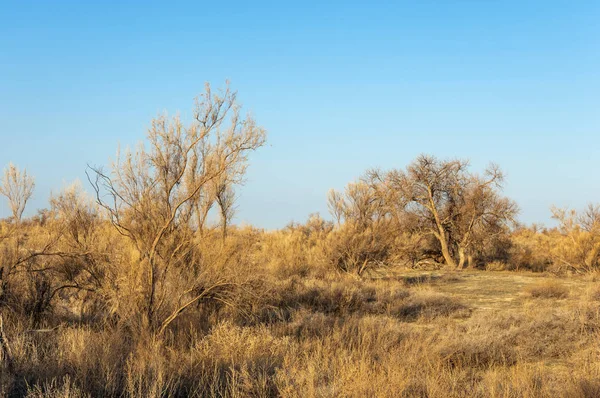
(336, 205)
(18, 187)
(81, 249)
(362, 239)
(452, 204)
(153, 195)
(359, 203)
(589, 219)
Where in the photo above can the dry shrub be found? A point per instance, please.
(585, 388)
(354, 248)
(229, 361)
(297, 249)
(572, 247)
(529, 250)
(548, 290)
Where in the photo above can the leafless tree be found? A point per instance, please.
(589, 219)
(153, 195)
(452, 204)
(335, 203)
(362, 239)
(18, 187)
(359, 203)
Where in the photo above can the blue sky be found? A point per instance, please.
(340, 87)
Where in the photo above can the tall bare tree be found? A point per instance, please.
(153, 195)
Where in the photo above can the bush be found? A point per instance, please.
(356, 250)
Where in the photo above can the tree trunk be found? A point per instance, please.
(224, 222)
(446, 253)
(441, 233)
(151, 295)
(461, 257)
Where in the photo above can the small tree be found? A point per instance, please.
(152, 196)
(362, 239)
(18, 187)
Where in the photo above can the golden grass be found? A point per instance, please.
(340, 336)
(549, 289)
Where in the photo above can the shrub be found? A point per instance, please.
(356, 250)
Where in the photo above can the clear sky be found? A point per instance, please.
(340, 87)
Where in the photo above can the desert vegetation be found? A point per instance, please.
(422, 284)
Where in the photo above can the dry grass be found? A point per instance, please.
(340, 336)
(290, 325)
(549, 290)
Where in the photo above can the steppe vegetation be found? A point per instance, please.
(423, 285)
